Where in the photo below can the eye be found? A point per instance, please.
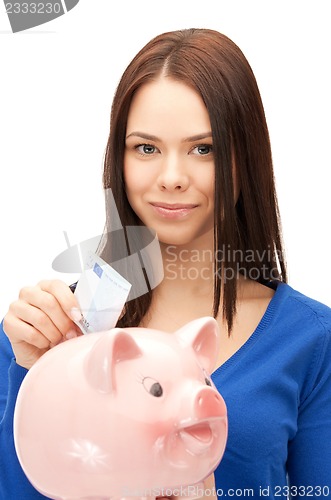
(207, 381)
(146, 149)
(152, 387)
(202, 150)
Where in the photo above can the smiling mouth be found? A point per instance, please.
(173, 210)
(173, 206)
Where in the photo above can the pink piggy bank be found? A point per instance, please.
(123, 413)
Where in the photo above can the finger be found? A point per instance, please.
(19, 332)
(67, 300)
(45, 312)
(56, 301)
(37, 319)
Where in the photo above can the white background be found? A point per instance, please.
(56, 88)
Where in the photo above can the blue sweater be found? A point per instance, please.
(277, 388)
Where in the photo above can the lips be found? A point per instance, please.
(173, 206)
(173, 210)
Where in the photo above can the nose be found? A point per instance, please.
(173, 175)
(209, 403)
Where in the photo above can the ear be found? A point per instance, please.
(203, 336)
(112, 348)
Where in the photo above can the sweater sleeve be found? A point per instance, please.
(11, 376)
(309, 455)
(13, 482)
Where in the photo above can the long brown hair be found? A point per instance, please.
(247, 233)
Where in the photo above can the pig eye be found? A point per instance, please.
(207, 379)
(152, 387)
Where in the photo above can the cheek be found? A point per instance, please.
(136, 180)
(137, 184)
(206, 184)
(132, 179)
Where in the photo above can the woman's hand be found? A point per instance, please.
(41, 318)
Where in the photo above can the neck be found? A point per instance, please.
(189, 268)
(187, 290)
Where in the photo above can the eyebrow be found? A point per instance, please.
(150, 137)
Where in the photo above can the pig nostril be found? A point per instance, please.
(201, 400)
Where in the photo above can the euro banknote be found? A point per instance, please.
(101, 293)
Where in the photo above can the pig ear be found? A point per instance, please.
(112, 348)
(203, 336)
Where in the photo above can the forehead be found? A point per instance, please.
(166, 105)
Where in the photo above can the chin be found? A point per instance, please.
(178, 242)
(179, 238)
(183, 233)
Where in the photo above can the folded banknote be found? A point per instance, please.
(101, 293)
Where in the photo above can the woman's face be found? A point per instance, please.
(169, 163)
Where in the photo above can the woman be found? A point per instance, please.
(189, 156)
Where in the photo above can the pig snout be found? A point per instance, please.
(205, 429)
(208, 403)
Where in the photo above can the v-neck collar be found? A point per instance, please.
(280, 289)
